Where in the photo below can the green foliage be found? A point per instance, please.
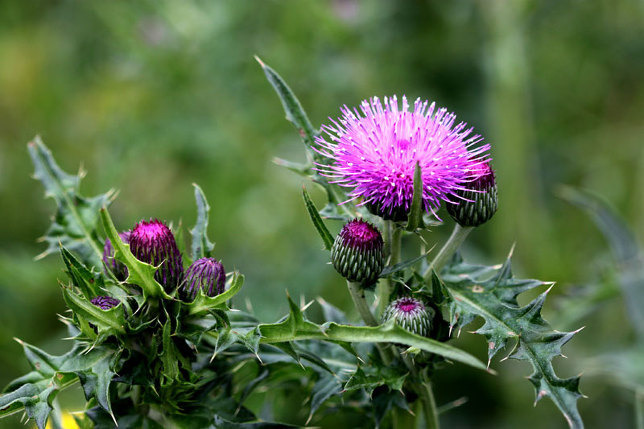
(76, 218)
(491, 293)
(327, 238)
(201, 246)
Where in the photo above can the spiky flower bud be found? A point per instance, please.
(152, 242)
(411, 314)
(357, 252)
(207, 274)
(479, 202)
(105, 302)
(116, 267)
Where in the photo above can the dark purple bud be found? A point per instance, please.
(357, 252)
(116, 267)
(207, 274)
(105, 302)
(153, 243)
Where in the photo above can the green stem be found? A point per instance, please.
(424, 390)
(357, 295)
(359, 300)
(429, 405)
(393, 235)
(459, 234)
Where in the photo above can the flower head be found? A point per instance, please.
(153, 243)
(105, 302)
(479, 201)
(117, 267)
(411, 314)
(374, 153)
(357, 252)
(207, 274)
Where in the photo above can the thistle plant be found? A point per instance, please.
(157, 342)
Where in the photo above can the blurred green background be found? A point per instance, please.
(152, 96)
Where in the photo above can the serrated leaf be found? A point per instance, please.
(491, 293)
(111, 321)
(76, 217)
(327, 238)
(292, 107)
(35, 391)
(201, 246)
(89, 284)
(204, 303)
(295, 327)
(415, 218)
(168, 354)
(384, 376)
(139, 273)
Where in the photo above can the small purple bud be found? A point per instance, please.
(411, 314)
(116, 267)
(105, 302)
(207, 274)
(357, 252)
(153, 243)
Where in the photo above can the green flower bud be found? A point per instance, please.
(357, 252)
(411, 314)
(479, 202)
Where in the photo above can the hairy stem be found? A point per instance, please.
(459, 234)
(359, 300)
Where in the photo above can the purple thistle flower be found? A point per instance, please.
(105, 302)
(374, 152)
(117, 267)
(207, 274)
(153, 243)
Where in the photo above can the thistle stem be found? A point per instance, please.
(359, 300)
(425, 393)
(393, 237)
(459, 234)
(429, 405)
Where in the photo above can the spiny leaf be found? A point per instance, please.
(111, 321)
(491, 293)
(34, 392)
(327, 238)
(415, 218)
(295, 327)
(204, 303)
(201, 246)
(89, 284)
(292, 107)
(139, 273)
(76, 217)
(168, 354)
